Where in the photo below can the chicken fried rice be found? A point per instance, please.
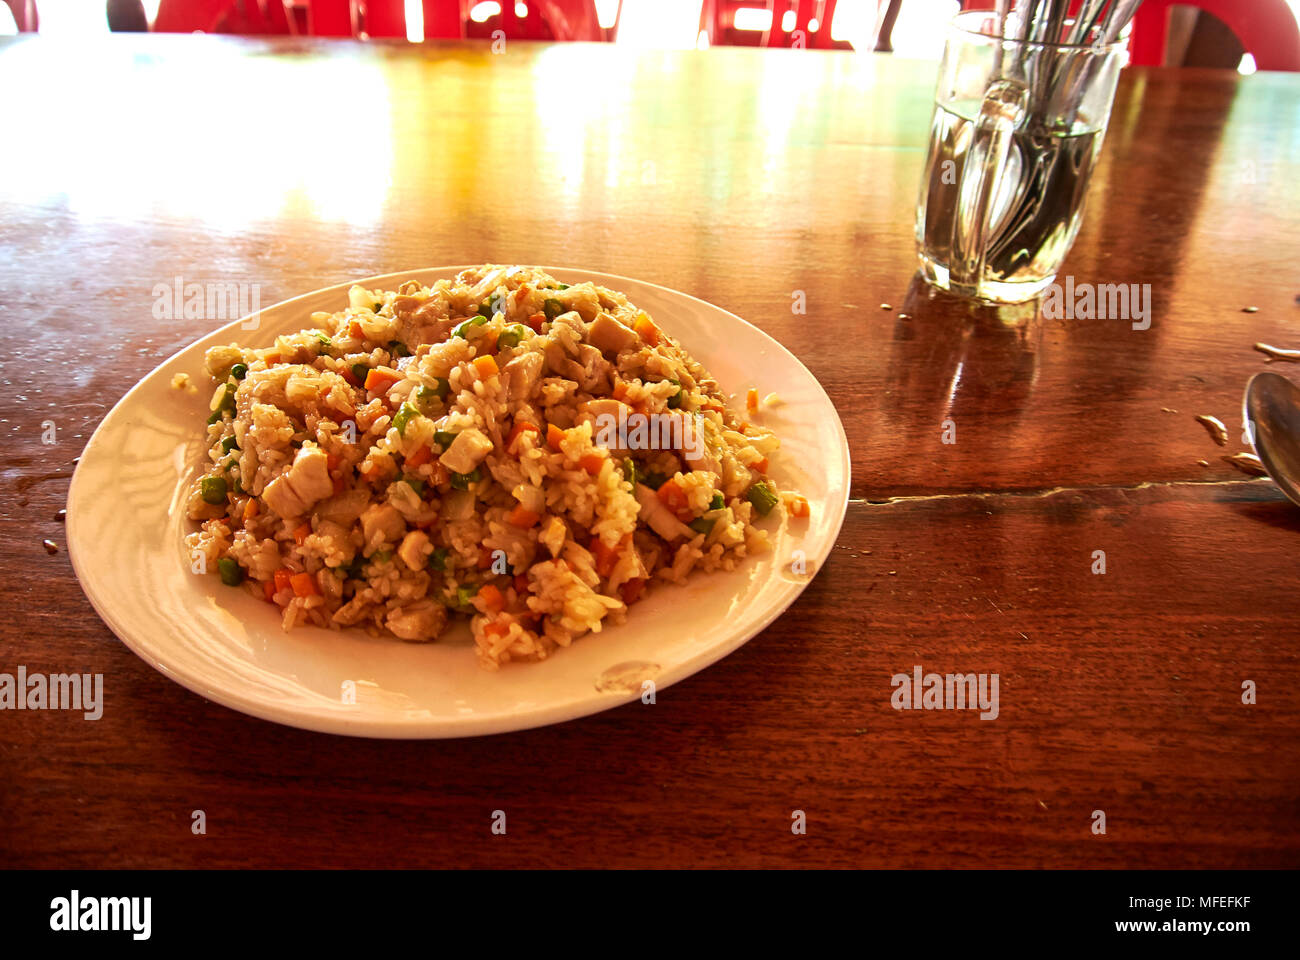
(500, 446)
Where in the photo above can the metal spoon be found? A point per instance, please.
(1272, 410)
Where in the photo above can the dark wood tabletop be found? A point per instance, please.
(741, 177)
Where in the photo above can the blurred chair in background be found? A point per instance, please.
(771, 23)
(812, 24)
(245, 17)
(127, 16)
(1266, 29)
(458, 19)
(24, 14)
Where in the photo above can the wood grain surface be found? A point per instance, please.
(743, 177)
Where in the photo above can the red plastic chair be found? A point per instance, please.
(564, 20)
(332, 18)
(449, 19)
(718, 19)
(251, 17)
(25, 16)
(1266, 28)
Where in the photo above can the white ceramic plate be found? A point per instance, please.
(126, 521)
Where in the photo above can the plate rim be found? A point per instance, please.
(477, 726)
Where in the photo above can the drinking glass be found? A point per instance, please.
(1015, 134)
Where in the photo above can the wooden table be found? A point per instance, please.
(741, 177)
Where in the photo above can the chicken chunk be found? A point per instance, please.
(466, 451)
(609, 419)
(659, 518)
(696, 451)
(306, 482)
(413, 551)
(382, 519)
(219, 360)
(522, 374)
(609, 336)
(422, 620)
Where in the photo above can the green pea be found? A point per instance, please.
(398, 349)
(443, 438)
(717, 503)
(360, 371)
(229, 444)
(512, 335)
(461, 481)
(762, 497)
(239, 371)
(675, 400)
(232, 575)
(462, 329)
(552, 308)
(213, 490)
(225, 405)
(403, 416)
(703, 525)
(438, 560)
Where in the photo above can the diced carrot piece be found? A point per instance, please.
(797, 505)
(420, 457)
(338, 485)
(605, 556)
(354, 330)
(282, 579)
(489, 343)
(646, 329)
(672, 496)
(268, 591)
(251, 508)
(751, 400)
(302, 533)
(521, 583)
(761, 465)
(522, 517)
(485, 559)
(620, 391)
(378, 381)
(554, 436)
(496, 629)
(304, 584)
(521, 427)
(492, 597)
(272, 359)
(536, 321)
(633, 589)
(350, 377)
(486, 366)
(332, 460)
(591, 462)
